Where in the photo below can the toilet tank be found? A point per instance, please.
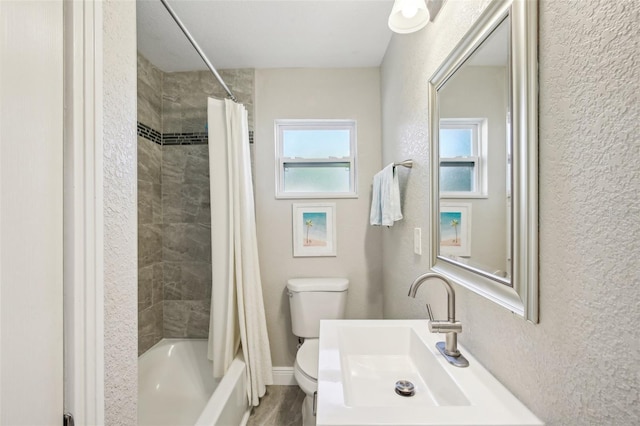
(315, 299)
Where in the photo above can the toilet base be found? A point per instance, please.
(308, 419)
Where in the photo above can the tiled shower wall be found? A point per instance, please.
(186, 240)
(184, 97)
(175, 275)
(150, 281)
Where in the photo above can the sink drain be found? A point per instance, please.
(405, 388)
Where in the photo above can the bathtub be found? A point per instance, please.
(175, 387)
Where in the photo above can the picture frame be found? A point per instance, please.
(314, 229)
(455, 229)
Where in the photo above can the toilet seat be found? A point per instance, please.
(307, 357)
(306, 366)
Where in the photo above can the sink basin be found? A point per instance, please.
(360, 362)
(374, 357)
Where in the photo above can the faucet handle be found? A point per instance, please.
(429, 312)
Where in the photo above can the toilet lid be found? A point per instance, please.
(317, 284)
(307, 357)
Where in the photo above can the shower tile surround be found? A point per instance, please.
(174, 219)
(150, 273)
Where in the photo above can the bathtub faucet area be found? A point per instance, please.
(451, 327)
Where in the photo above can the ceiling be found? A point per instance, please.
(265, 33)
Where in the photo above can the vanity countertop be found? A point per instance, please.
(360, 362)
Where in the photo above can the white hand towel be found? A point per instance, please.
(385, 199)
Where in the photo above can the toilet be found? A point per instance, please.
(312, 300)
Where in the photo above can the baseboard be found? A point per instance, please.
(283, 376)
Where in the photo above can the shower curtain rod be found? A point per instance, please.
(197, 47)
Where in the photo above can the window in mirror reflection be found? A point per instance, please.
(462, 165)
(473, 144)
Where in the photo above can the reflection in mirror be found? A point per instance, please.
(484, 176)
(474, 148)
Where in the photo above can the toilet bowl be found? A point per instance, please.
(306, 374)
(312, 300)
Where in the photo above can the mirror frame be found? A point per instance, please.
(522, 296)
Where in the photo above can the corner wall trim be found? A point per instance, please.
(283, 376)
(83, 213)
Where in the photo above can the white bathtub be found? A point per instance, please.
(175, 387)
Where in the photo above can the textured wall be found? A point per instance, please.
(564, 368)
(317, 93)
(120, 207)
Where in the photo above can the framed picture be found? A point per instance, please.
(314, 229)
(455, 229)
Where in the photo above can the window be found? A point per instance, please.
(316, 159)
(462, 158)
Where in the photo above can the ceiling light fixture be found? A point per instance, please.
(408, 16)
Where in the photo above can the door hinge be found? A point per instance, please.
(68, 420)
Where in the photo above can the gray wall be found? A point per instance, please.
(186, 204)
(174, 218)
(564, 368)
(319, 94)
(184, 97)
(186, 240)
(150, 282)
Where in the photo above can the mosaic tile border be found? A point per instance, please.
(199, 138)
(195, 138)
(149, 133)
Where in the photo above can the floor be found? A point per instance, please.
(281, 406)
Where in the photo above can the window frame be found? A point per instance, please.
(315, 124)
(479, 128)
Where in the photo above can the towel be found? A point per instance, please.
(385, 199)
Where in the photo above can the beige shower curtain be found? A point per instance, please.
(237, 307)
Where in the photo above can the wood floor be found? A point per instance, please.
(281, 406)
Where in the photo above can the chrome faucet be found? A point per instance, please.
(448, 348)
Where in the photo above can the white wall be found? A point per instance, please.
(323, 94)
(120, 213)
(31, 221)
(579, 365)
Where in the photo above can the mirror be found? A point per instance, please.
(473, 147)
(483, 121)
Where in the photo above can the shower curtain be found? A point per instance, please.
(237, 307)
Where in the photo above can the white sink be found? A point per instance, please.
(361, 360)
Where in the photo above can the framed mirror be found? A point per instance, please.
(484, 150)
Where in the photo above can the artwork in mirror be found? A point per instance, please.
(455, 229)
(483, 118)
